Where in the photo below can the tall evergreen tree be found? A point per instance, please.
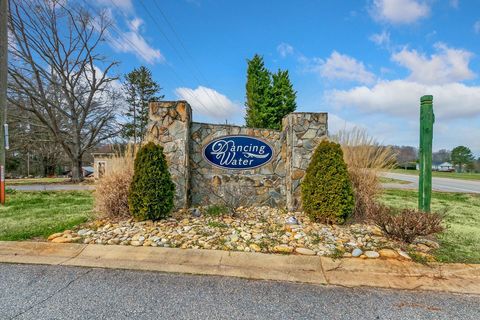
(270, 97)
(139, 89)
(282, 100)
(258, 92)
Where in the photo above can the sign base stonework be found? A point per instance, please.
(233, 165)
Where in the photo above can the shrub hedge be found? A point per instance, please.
(151, 192)
(327, 193)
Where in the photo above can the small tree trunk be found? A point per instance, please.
(50, 170)
(77, 172)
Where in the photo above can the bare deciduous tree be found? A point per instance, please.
(32, 143)
(56, 71)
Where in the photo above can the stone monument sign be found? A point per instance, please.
(219, 163)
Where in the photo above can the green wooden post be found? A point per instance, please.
(427, 118)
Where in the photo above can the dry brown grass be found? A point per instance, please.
(111, 194)
(365, 157)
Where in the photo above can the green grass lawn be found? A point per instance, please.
(391, 180)
(461, 240)
(38, 214)
(28, 181)
(452, 175)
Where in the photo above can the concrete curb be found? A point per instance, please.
(393, 274)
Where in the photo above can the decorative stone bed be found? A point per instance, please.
(260, 229)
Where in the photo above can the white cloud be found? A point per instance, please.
(341, 67)
(381, 39)
(337, 123)
(284, 49)
(132, 42)
(446, 66)
(126, 5)
(135, 24)
(476, 26)
(401, 98)
(389, 109)
(399, 11)
(209, 102)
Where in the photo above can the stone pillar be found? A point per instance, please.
(170, 127)
(303, 132)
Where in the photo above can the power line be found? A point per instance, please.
(180, 41)
(174, 48)
(171, 68)
(138, 51)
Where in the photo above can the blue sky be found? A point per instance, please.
(366, 63)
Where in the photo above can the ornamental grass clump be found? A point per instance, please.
(365, 159)
(111, 190)
(152, 190)
(327, 194)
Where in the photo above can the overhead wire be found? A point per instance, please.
(138, 50)
(170, 42)
(170, 25)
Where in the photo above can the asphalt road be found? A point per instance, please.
(438, 184)
(56, 292)
(51, 187)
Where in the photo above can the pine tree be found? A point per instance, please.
(269, 97)
(258, 92)
(139, 89)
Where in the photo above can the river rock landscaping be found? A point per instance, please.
(259, 229)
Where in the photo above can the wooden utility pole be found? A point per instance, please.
(427, 118)
(3, 91)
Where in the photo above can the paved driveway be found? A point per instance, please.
(55, 292)
(438, 184)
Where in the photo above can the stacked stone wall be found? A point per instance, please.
(170, 127)
(303, 132)
(260, 186)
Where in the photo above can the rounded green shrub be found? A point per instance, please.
(327, 193)
(152, 191)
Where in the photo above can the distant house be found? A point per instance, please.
(436, 165)
(101, 158)
(100, 163)
(441, 166)
(446, 167)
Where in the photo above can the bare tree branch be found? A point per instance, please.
(56, 68)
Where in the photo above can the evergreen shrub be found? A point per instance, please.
(327, 194)
(152, 190)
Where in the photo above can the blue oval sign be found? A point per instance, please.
(238, 152)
